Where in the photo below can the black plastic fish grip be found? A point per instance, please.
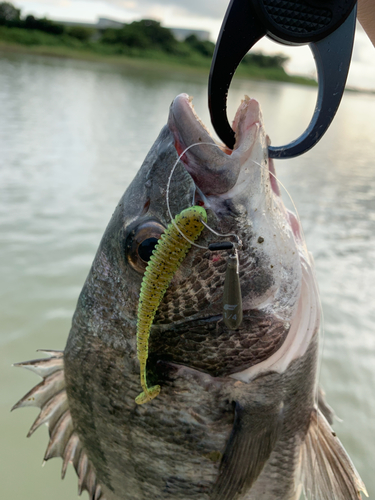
(327, 26)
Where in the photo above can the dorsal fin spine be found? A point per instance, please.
(50, 396)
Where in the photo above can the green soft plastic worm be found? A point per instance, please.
(166, 258)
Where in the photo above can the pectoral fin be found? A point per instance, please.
(326, 469)
(252, 440)
(50, 396)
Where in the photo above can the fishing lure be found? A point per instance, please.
(166, 258)
(232, 297)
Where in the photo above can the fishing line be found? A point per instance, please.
(234, 246)
(232, 297)
(207, 204)
(230, 245)
(238, 243)
(322, 327)
(288, 194)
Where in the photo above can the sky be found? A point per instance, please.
(198, 14)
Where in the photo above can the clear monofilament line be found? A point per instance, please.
(287, 192)
(229, 235)
(322, 328)
(203, 222)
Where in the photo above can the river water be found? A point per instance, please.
(72, 136)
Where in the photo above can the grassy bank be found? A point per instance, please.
(66, 46)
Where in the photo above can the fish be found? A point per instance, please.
(240, 414)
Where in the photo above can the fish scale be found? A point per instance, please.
(206, 271)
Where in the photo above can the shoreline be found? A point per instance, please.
(161, 65)
(147, 62)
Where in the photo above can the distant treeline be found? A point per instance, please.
(11, 17)
(145, 35)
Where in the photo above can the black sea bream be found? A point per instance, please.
(239, 415)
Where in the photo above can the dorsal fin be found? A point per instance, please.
(50, 396)
(326, 470)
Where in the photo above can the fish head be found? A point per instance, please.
(240, 193)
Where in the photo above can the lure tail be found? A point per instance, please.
(166, 258)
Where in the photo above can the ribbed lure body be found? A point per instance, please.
(166, 258)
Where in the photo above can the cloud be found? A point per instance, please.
(214, 9)
(206, 14)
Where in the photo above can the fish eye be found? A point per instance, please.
(141, 242)
(146, 248)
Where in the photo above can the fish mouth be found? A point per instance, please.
(215, 169)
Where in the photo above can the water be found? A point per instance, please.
(72, 136)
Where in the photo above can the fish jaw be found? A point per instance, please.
(214, 168)
(218, 171)
(241, 190)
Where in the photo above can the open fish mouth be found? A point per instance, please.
(218, 170)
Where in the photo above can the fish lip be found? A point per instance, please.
(214, 168)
